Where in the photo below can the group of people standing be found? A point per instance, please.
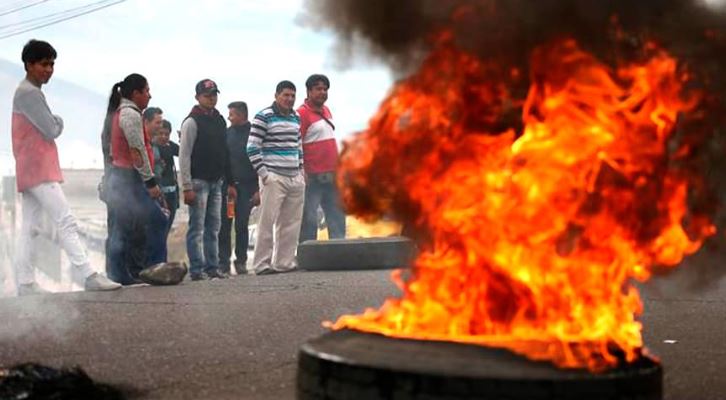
(283, 160)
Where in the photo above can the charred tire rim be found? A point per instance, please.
(354, 365)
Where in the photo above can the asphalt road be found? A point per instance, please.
(239, 338)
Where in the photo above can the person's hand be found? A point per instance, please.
(154, 192)
(231, 193)
(255, 200)
(189, 197)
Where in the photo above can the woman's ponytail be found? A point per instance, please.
(125, 89)
(115, 99)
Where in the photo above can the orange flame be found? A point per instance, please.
(534, 240)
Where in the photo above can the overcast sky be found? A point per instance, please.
(246, 46)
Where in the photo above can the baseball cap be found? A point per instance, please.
(206, 86)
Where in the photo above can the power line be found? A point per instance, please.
(20, 7)
(55, 18)
(48, 17)
(71, 12)
(9, 6)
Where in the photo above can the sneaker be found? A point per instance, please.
(198, 277)
(97, 282)
(216, 274)
(31, 289)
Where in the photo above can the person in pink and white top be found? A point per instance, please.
(38, 173)
(320, 152)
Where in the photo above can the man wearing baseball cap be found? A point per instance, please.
(204, 164)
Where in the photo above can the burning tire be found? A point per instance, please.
(353, 365)
(356, 254)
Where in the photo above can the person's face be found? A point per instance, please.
(207, 100)
(318, 94)
(154, 125)
(235, 117)
(141, 97)
(40, 72)
(162, 136)
(285, 99)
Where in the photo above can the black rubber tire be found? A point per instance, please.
(347, 365)
(356, 254)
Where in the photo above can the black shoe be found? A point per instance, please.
(198, 277)
(240, 267)
(267, 271)
(224, 269)
(217, 274)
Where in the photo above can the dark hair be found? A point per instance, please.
(124, 89)
(285, 85)
(315, 78)
(151, 112)
(165, 124)
(37, 50)
(240, 106)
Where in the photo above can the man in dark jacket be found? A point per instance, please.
(245, 183)
(204, 163)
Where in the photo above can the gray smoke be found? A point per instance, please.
(36, 316)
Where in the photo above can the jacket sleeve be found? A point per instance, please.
(300, 151)
(174, 149)
(186, 145)
(302, 112)
(32, 104)
(133, 129)
(254, 144)
(300, 145)
(229, 177)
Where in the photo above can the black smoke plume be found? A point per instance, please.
(402, 32)
(508, 30)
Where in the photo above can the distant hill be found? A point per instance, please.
(82, 111)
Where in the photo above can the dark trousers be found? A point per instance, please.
(172, 201)
(137, 238)
(242, 209)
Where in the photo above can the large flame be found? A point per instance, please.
(533, 239)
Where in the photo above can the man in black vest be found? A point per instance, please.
(247, 192)
(204, 164)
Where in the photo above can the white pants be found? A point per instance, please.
(48, 198)
(278, 230)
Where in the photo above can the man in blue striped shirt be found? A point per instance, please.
(275, 150)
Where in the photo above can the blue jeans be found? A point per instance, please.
(321, 190)
(137, 227)
(204, 224)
